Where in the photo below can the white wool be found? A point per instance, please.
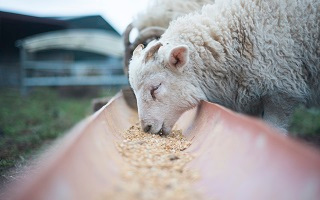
(256, 57)
(161, 12)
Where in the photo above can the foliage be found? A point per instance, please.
(306, 121)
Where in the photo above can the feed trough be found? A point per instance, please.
(222, 155)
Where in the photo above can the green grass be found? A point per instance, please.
(306, 121)
(305, 125)
(27, 123)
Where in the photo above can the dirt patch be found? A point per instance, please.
(155, 167)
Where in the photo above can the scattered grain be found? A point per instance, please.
(155, 167)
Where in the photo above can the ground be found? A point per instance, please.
(30, 123)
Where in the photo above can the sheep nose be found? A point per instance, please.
(147, 128)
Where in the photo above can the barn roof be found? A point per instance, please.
(15, 27)
(89, 22)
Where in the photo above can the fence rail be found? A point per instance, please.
(55, 73)
(74, 81)
(70, 65)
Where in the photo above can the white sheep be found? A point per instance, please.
(256, 57)
(151, 24)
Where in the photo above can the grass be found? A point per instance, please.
(305, 121)
(305, 125)
(28, 123)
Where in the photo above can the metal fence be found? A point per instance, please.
(58, 73)
(51, 69)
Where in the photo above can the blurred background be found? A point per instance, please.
(55, 58)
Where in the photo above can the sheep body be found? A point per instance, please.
(255, 57)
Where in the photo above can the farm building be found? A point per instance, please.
(36, 51)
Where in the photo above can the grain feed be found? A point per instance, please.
(155, 167)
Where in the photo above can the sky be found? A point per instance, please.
(118, 13)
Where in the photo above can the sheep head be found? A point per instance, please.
(164, 87)
(145, 36)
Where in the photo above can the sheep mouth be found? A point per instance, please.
(164, 131)
(160, 132)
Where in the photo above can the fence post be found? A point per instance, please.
(23, 58)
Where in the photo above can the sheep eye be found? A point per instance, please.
(153, 90)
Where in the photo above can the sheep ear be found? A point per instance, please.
(137, 50)
(179, 56)
(150, 53)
